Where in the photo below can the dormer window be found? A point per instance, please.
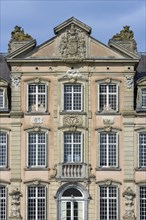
(141, 95)
(2, 104)
(143, 98)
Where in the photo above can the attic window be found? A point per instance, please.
(141, 96)
(36, 68)
(128, 67)
(107, 68)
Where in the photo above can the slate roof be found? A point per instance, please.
(4, 69)
(141, 68)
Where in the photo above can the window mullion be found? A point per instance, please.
(107, 96)
(72, 97)
(107, 153)
(37, 149)
(107, 203)
(36, 203)
(36, 96)
(72, 146)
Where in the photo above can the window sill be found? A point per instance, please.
(36, 168)
(108, 169)
(72, 113)
(108, 113)
(4, 169)
(140, 169)
(37, 113)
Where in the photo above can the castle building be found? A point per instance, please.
(73, 127)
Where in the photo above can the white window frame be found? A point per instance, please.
(36, 95)
(107, 98)
(107, 149)
(3, 98)
(36, 147)
(82, 101)
(143, 107)
(6, 149)
(139, 202)
(140, 166)
(107, 198)
(5, 203)
(36, 201)
(72, 143)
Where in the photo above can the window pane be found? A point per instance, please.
(1, 98)
(3, 149)
(37, 97)
(108, 149)
(142, 202)
(108, 203)
(72, 147)
(143, 98)
(107, 97)
(36, 203)
(72, 97)
(142, 150)
(37, 149)
(3, 204)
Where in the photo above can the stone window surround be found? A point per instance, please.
(4, 87)
(7, 132)
(83, 83)
(138, 185)
(37, 80)
(108, 81)
(78, 186)
(107, 129)
(37, 129)
(3, 184)
(107, 183)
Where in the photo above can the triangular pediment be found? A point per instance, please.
(72, 43)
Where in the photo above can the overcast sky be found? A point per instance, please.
(105, 17)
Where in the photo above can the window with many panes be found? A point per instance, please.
(143, 98)
(3, 203)
(73, 97)
(142, 202)
(108, 97)
(72, 205)
(142, 149)
(36, 203)
(3, 149)
(108, 203)
(2, 104)
(36, 149)
(72, 147)
(37, 97)
(108, 149)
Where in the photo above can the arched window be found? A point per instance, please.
(72, 203)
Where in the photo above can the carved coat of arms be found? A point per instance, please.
(73, 43)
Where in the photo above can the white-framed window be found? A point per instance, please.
(36, 202)
(142, 202)
(2, 98)
(143, 98)
(73, 147)
(107, 97)
(108, 149)
(73, 97)
(37, 97)
(3, 149)
(37, 149)
(3, 202)
(142, 149)
(109, 203)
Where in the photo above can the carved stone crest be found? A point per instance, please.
(72, 121)
(129, 81)
(15, 208)
(15, 80)
(129, 196)
(72, 43)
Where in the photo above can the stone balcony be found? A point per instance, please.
(71, 170)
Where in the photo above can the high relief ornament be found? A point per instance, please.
(129, 196)
(15, 80)
(72, 43)
(15, 204)
(72, 121)
(72, 75)
(129, 81)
